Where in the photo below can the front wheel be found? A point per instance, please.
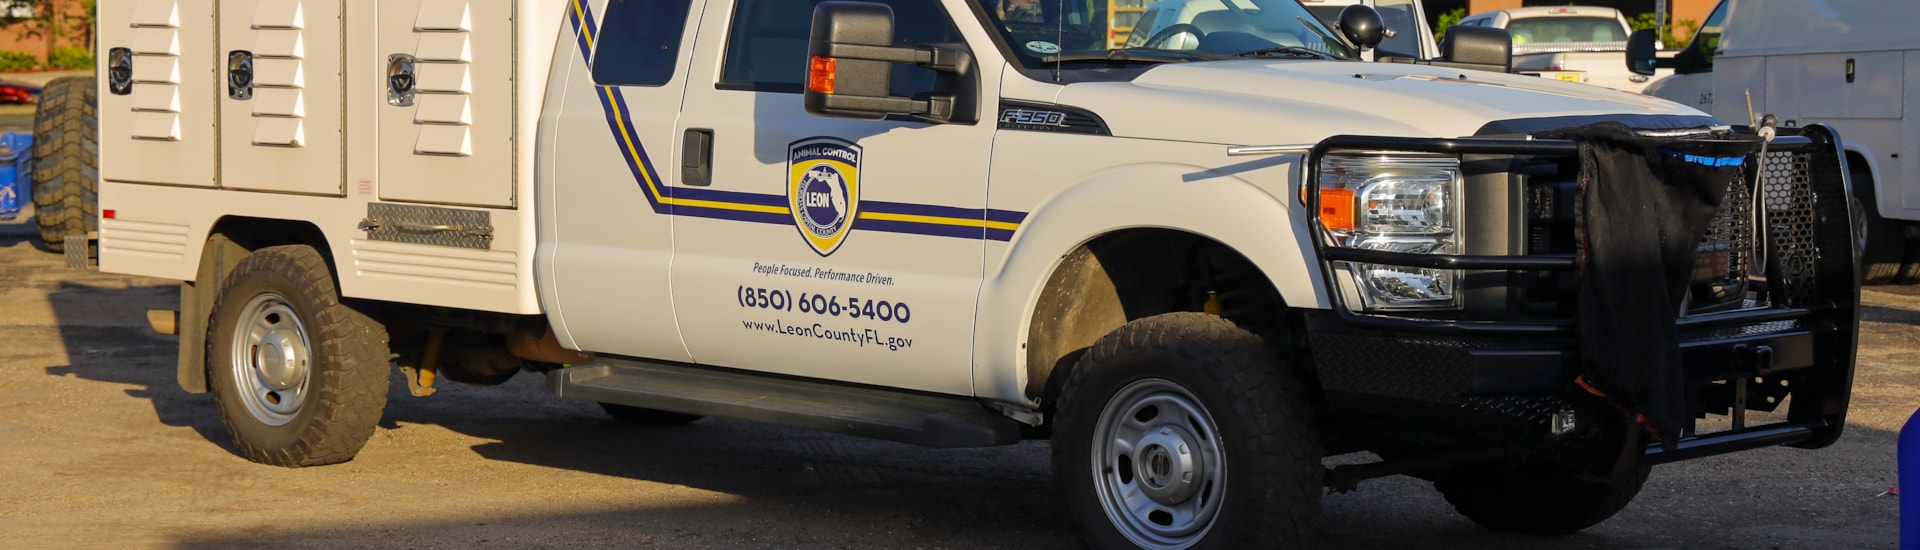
(300, 378)
(1185, 431)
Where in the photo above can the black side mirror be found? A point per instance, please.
(1363, 27)
(1484, 48)
(850, 57)
(1641, 58)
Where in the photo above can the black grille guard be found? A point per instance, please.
(1827, 301)
(1819, 143)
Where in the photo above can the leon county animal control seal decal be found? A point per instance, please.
(823, 181)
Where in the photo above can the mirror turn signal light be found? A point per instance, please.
(820, 74)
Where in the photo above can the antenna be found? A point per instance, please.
(1059, 35)
(1750, 121)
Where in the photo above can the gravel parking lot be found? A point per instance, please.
(99, 447)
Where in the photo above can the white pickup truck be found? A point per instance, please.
(1199, 265)
(1573, 43)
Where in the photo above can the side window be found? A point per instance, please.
(767, 44)
(639, 42)
(1399, 15)
(1142, 30)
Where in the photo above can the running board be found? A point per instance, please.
(921, 419)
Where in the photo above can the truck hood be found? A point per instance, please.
(1256, 102)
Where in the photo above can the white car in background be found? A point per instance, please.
(1575, 43)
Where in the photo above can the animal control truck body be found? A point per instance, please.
(1198, 270)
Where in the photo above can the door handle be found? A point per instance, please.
(240, 75)
(120, 71)
(696, 157)
(400, 80)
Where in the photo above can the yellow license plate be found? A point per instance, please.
(1569, 77)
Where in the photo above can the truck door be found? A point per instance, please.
(824, 247)
(157, 71)
(609, 233)
(281, 102)
(447, 130)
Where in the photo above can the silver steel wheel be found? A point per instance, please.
(272, 359)
(1157, 465)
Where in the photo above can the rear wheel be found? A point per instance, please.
(66, 161)
(1536, 497)
(1185, 431)
(1886, 240)
(300, 378)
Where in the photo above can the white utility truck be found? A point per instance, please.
(1847, 63)
(1199, 268)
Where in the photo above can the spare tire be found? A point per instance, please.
(66, 161)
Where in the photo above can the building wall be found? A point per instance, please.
(14, 37)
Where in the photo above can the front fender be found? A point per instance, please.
(1263, 224)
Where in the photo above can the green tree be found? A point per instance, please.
(1448, 19)
(49, 21)
(1645, 21)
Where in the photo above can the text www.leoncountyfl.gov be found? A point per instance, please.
(855, 336)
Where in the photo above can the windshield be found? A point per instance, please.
(1566, 29)
(1399, 15)
(1044, 31)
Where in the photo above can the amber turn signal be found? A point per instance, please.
(820, 73)
(1336, 209)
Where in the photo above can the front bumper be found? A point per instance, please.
(1502, 371)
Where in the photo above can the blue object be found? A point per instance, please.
(16, 177)
(1910, 477)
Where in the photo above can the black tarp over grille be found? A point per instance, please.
(1643, 204)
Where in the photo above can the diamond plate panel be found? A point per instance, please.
(431, 225)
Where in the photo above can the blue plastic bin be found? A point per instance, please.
(16, 173)
(1909, 457)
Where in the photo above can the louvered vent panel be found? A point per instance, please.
(279, 52)
(443, 112)
(156, 60)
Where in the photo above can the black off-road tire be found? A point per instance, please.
(1536, 497)
(346, 380)
(1881, 260)
(1268, 443)
(640, 416)
(66, 161)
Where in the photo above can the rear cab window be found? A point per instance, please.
(639, 42)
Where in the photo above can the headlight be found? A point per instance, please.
(1399, 204)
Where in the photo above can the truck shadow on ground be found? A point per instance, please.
(784, 488)
(104, 331)
(793, 488)
(1883, 314)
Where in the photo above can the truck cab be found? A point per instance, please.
(1198, 264)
